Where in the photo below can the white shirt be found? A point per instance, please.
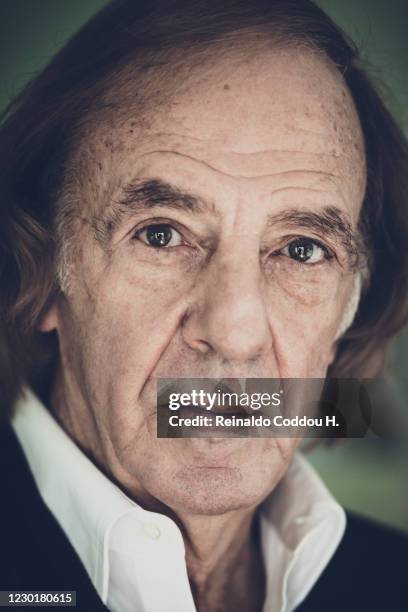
(136, 558)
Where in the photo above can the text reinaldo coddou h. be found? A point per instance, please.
(255, 401)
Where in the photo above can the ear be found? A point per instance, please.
(49, 320)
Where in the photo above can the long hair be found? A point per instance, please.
(40, 128)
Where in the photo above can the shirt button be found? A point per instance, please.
(152, 531)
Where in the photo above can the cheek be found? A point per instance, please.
(126, 319)
(309, 286)
(135, 300)
(305, 314)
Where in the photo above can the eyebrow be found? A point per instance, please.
(330, 222)
(141, 195)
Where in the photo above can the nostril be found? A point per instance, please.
(192, 335)
(201, 345)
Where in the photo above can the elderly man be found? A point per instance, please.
(192, 189)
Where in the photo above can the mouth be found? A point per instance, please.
(198, 410)
(194, 421)
(212, 453)
(193, 410)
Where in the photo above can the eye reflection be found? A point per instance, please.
(305, 250)
(160, 235)
(164, 235)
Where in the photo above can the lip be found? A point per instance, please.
(236, 410)
(190, 410)
(198, 422)
(215, 453)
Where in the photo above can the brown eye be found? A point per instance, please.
(160, 235)
(305, 250)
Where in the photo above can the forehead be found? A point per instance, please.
(244, 115)
(266, 102)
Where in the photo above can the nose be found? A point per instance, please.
(229, 315)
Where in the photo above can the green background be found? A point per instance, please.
(370, 476)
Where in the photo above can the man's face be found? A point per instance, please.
(217, 240)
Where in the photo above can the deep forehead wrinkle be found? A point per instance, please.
(182, 139)
(253, 155)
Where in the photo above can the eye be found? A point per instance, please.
(160, 235)
(305, 250)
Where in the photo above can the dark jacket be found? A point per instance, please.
(368, 572)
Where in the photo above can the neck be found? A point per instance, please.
(224, 561)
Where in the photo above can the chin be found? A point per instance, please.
(211, 477)
(213, 491)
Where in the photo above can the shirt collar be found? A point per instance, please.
(305, 523)
(85, 503)
(301, 523)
